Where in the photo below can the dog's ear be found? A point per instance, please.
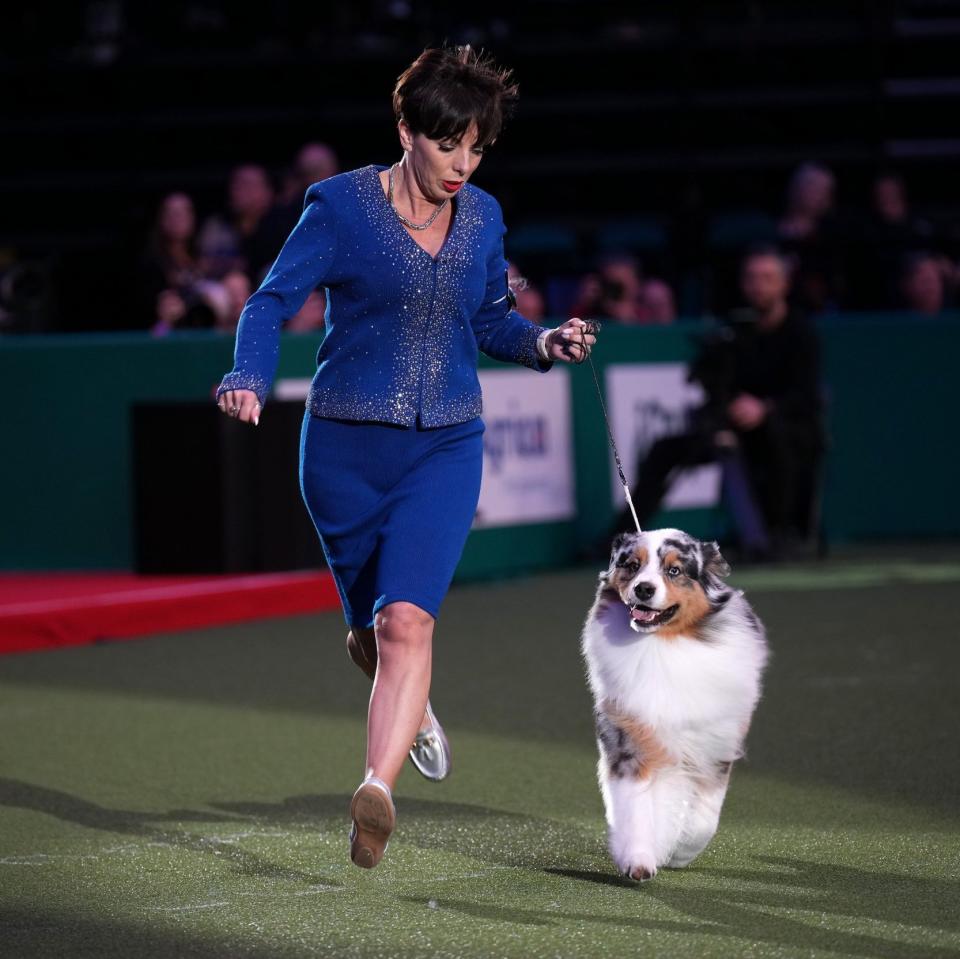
(713, 563)
(620, 541)
(615, 548)
(715, 569)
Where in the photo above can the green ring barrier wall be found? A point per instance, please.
(65, 485)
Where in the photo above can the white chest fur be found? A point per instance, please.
(686, 687)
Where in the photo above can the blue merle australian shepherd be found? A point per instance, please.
(674, 658)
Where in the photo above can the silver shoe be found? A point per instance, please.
(430, 752)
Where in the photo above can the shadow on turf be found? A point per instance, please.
(816, 889)
(716, 900)
(489, 835)
(600, 878)
(723, 918)
(778, 882)
(72, 809)
(733, 913)
(29, 933)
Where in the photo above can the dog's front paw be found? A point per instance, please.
(641, 867)
(634, 861)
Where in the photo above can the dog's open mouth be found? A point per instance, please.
(649, 618)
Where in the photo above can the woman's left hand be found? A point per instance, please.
(571, 341)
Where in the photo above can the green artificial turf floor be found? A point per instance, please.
(186, 795)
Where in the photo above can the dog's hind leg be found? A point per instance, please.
(703, 816)
(672, 796)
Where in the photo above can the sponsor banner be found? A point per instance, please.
(646, 401)
(527, 448)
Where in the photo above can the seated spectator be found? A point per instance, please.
(530, 300)
(809, 200)
(621, 289)
(237, 290)
(889, 203)
(657, 303)
(763, 410)
(888, 231)
(172, 287)
(310, 318)
(249, 235)
(314, 162)
(923, 283)
(809, 236)
(618, 291)
(26, 293)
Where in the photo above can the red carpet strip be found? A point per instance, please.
(41, 611)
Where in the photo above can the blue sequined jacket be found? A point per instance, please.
(402, 328)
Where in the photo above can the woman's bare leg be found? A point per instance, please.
(362, 649)
(404, 642)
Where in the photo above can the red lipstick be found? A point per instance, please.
(451, 186)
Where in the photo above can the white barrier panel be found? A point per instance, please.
(646, 401)
(527, 448)
(292, 388)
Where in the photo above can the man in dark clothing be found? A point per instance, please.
(762, 418)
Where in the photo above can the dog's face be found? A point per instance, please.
(669, 580)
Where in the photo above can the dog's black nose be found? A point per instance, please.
(644, 590)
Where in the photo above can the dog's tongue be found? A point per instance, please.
(643, 615)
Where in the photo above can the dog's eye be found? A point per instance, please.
(674, 571)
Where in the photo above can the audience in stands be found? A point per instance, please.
(175, 291)
(237, 289)
(888, 258)
(657, 304)
(530, 301)
(923, 283)
(249, 234)
(8, 264)
(190, 279)
(313, 162)
(892, 217)
(618, 291)
(26, 299)
(310, 319)
(809, 234)
(887, 233)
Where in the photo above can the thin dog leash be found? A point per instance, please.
(593, 327)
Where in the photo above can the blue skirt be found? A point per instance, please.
(392, 506)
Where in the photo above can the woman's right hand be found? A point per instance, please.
(241, 405)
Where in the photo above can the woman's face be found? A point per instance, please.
(440, 167)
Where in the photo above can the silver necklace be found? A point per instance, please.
(403, 219)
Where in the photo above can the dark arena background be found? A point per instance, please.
(182, 730)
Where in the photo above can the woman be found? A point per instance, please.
(411, 260)
(174, 291)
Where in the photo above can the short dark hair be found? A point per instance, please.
(447, 88)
